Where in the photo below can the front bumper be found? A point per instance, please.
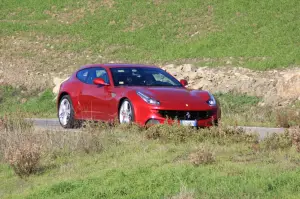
(153, 116)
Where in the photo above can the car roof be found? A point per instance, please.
(117, 65)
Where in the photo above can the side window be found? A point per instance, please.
(97, 73)
(102, 74)
(162, 78)
(82, 75)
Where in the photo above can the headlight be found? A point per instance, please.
(212, 101)
(148, 99)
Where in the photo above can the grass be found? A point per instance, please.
(131, 164)
(31, 103)
(245, 110)
(255, 34)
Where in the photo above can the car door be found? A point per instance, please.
(84, 110)
(96, 97)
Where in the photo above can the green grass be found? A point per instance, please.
(33, 104)
(244, 110)
(256, 34)
(131, 166)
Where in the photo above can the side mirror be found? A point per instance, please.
(183, 82)
(100, 81)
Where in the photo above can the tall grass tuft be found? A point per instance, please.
(277, 141)
(203, 155)
(295, 134)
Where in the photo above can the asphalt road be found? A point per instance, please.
(53, 124)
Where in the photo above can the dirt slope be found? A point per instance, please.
(277, 87)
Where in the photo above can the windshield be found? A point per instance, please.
(139, 76)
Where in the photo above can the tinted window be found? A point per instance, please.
(82, 75)
(97, 73)
(138, 76)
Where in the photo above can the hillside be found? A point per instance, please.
(44, 40)
(57, 34)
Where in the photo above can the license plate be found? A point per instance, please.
(188, 122)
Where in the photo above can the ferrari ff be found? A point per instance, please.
(133, 93)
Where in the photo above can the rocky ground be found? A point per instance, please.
(276, 87)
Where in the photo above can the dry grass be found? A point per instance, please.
(23, 157)
(184, 194)
(295, 134)
(178, 134)
(22, 147)
(287, 117)
(277, 141)
(203, 155)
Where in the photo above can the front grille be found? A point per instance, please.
(185, 115)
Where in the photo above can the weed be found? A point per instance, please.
(184, 194)
(14, 122)
(295, 133)
(23, 157)
(175, 132)
(178, 134)
(203, 155)
(287, 117)
(277, 141)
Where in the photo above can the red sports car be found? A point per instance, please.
(133, 93)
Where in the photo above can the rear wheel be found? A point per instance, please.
(126, 113)
(66, 113)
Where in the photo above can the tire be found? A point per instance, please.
(66, 113)
(124, 116)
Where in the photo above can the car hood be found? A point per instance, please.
(174, 98)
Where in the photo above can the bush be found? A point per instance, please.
(14, 122)
(287, 118)
(277, 141)
(24, 158)
(177, 133)
(184, 194)
(203, 155)
(295, 134)
(173, 132)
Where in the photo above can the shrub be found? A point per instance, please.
(287, 118)
(24, 158)
(173, 132)
(14, 122)
(184, 194)
(179, 133)
(203, 155)
(277, 141)
(295, 134)
(225, 135)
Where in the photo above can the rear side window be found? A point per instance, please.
(82, 75)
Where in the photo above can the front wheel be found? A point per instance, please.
(126, 112)
(66, 113)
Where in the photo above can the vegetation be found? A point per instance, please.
(244, 110)
(102, 161)
(30, 103)
(125, 161)
(255, 34)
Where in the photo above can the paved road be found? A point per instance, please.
(53, 124)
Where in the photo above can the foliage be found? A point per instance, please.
(32, 103)
(121, 161)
